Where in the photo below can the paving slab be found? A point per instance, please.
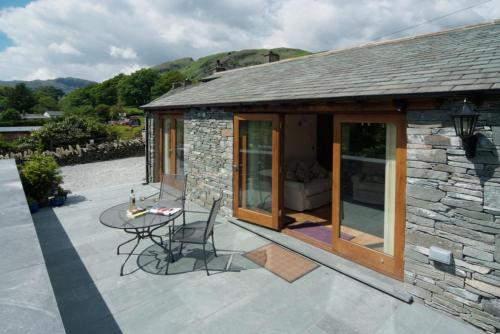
(244, 298)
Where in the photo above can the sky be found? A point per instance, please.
(97, 39)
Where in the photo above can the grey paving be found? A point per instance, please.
(238, 297)
(463, 59)
(90, 175)
(27, 301)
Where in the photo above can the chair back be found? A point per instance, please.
(173, 186)
(213, 216)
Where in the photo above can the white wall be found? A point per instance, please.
(300, 137)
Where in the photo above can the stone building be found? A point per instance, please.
(356, 151)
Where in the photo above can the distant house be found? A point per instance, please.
(53, 114)
(365, 152)
(14, 132)
(34, 117)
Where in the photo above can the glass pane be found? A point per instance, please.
(256, 153)
(179, 146)
(367, 185)
(167, 127)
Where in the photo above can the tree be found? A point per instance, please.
(102, 111)
(107, 91)
(135, 90)
(79, 97)
(10, 115)
(44, 103)
(21, 98)
(51, 91)
(164, 83)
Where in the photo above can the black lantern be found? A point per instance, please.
(465, 124)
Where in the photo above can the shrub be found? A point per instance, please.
(70, 130)
(10, 115)
(40, 176)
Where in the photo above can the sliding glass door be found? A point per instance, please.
(172, 144)
(368, 210)
(256, 164)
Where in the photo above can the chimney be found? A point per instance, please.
(187, 82)
(219, 67)
(272, 57)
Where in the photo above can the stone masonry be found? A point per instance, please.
(208, 138)
(454, 203)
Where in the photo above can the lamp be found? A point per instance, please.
(465, 124)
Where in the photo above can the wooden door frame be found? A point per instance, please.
(272, 220)
(173, 130)
(389, 265)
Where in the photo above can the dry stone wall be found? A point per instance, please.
(208, 145)
(78, 154)
(454, 203)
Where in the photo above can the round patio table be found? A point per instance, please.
(141, 227)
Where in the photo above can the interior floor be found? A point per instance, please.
(315, 226)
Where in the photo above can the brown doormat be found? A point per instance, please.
(282, 262)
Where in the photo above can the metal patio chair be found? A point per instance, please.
(173, 187)
(197, 232)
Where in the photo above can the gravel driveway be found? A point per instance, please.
(104, 173)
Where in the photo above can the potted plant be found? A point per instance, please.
(59, 197)
(40, 175)
(33, 205)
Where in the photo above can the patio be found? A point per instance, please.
(83, 267)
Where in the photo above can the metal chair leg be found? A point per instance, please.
(205, 259)
(180, 248)
(213, 245)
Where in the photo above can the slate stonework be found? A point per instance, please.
(454, 203)
(208, 138)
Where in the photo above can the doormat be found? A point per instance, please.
(288, 265)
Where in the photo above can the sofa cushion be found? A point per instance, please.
(309, 188)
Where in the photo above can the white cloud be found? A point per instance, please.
(123, 53)
(97, 39)
(64, 48)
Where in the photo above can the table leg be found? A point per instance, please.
(124, 243)
(131, 252)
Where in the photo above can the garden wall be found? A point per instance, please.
(454, 203)
(208, 138)
(79, 154)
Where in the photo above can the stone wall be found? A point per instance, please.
(454, 203)
(79, 154)
(208, 138)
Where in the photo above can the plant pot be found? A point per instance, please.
(33, 207)
(57, 200)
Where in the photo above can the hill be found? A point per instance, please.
(65, 84)
(202, 67)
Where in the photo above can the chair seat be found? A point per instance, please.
(189, 233)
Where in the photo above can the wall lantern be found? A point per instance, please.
(465, 124)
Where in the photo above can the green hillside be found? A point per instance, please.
(202, 67)
(65, 84)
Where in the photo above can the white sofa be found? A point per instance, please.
(301, 196)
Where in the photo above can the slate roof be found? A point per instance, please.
(461, 59)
